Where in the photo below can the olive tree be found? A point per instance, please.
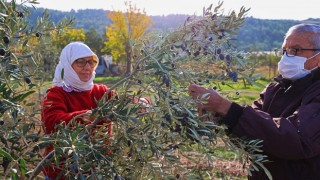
(22, 76)
(149, 139)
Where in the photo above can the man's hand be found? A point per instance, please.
(214, 101)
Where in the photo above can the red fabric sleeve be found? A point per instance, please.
(55, 111)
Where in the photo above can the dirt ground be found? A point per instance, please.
(220, 169)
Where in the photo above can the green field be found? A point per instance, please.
(243, 93)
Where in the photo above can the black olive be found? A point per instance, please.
(6, 39)
(2, 52)
(129, 143)
(38, 34)
(196, 53)
(177, 128)
(27, 80)
(167, 117)
(218, 51)
(111, 116)
(221, 56)
(20, 15)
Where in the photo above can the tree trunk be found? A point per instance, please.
(129, 63)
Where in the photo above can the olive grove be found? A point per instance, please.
(148, 139)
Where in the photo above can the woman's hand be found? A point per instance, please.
(214, 102)
(143, 103)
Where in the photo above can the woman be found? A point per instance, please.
(73, 94)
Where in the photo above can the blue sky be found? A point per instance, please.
(267, 9)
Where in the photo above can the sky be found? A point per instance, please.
(262, 9)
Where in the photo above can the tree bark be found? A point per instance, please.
(129, 63)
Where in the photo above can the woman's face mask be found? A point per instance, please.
(293, 67)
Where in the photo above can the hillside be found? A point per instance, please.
(255, 34)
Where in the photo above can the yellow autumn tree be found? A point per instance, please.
(116, 35)
(67, 36)
(126, 28)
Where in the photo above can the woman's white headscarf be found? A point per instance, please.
(70, 80)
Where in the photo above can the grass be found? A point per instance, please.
(245, 93)
(241, 92)
(108, 80)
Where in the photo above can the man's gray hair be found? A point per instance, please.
(307, 28)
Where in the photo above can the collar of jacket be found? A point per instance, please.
(312, 77)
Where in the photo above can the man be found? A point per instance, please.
(287, 114)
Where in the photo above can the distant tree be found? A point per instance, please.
(65, 37)
(124, 30)
(115, 43)
(94, 40)
(263, 34)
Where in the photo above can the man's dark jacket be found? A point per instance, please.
(287, 118)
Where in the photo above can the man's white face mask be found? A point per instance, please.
(293, 67)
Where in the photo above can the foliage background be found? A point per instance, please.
(254, 35)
